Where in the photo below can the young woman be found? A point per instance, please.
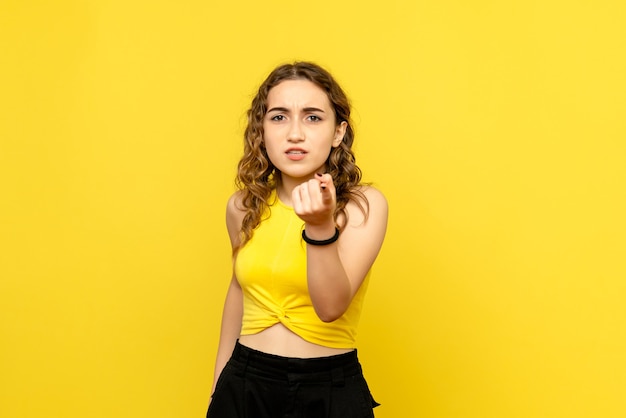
(305, 233)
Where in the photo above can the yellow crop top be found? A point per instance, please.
(271, 270)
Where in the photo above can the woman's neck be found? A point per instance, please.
(285, 186)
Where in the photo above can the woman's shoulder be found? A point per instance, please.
(372, 194)
(370, 204)
(235, 213)
(235, 205)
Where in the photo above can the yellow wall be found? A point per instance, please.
(496, 129)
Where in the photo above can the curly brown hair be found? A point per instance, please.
(257, 176)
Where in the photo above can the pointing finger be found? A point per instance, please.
(327, 188)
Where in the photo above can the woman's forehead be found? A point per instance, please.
(297, 93)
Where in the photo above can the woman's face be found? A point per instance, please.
(300, 129)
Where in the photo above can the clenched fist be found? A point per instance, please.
(314, 202)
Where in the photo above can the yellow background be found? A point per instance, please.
(496, 130)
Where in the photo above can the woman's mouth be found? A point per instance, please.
(295, 154)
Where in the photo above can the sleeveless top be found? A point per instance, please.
(271, 270)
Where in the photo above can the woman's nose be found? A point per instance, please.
(295, 132)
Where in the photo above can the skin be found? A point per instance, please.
(300, 123)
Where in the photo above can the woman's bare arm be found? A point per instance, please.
(231, 327)
(335, 272)
(233, 305)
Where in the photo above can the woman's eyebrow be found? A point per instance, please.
(313, 109)
(278, 109)
(285, 110)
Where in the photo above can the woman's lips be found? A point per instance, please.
(295, 154)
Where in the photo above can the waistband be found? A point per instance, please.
(319, 369)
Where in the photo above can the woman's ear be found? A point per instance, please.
(340, 131)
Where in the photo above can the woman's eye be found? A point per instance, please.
(314, 118)
(278, 117)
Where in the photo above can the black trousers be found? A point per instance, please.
(254, 384)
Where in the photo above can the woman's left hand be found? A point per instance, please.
(314, 202)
